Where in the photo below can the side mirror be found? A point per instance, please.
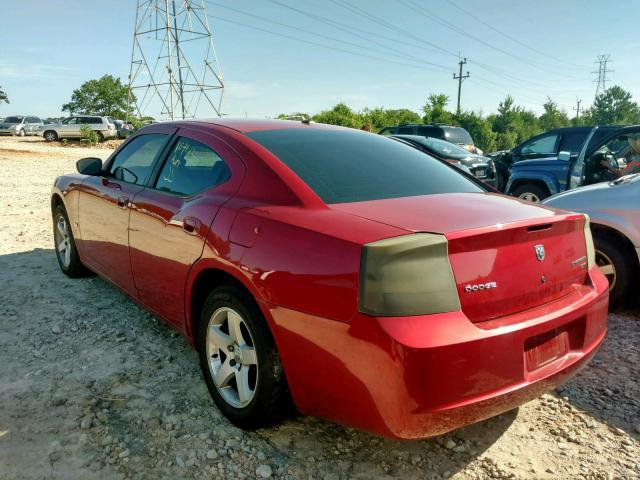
(89, 166)
(564, 156)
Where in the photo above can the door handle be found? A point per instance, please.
(191, 225)
(123, 202)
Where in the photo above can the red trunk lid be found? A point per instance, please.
(496, 246)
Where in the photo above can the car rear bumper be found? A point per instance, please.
(415, 377)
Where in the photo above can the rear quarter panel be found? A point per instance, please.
(66, 187)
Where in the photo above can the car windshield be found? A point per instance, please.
(13, 119)
(351, 166)
(441, 147)
(457, 135)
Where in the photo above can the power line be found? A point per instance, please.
(513, 39)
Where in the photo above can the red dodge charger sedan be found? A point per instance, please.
(337, 271)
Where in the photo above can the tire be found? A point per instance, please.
(22, 133)
(68, 258)
(531, 192)
(612, 257)
(266, 398)
(100, 136)
(50, 136)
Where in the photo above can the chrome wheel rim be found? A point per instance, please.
(63, 241)
(232, 359)
(49, 136)
(529, 197)
(606, 266)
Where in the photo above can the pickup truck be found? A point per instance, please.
(537, 179)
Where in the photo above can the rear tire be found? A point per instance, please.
(531, 192)
(100, 136)
(612, 257)
(232, 359)
(50, 136)
(22, 133)
(65, 245)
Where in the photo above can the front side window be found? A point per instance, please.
(191, 168)
(70, 121)
(348, 166)
(541, 146)
(133, 164)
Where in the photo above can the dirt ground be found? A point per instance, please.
(91, 386)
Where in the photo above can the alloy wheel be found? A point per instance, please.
(606, 266)
(233, 362)
(63, 241)
(530, 197)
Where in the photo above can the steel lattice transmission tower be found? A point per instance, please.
(174, 69)
(602, 71)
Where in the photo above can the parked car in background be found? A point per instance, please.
(615, 224)
(21, 126)
(345, 273)
(535, 180)
(123, 128)
(478, 166)
(546, 145)
(455, 135)
(70, 128)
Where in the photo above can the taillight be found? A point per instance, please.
(407, 275)
(588, 240)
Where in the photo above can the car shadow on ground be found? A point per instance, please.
(607, 389)
(153, 358)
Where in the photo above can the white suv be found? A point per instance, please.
(70, 128)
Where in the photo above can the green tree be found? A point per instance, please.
(614, 106)
(340, 115)
(378, 118)
(479, 128)
(435, 110)
(104, 96)
(3, 95)
(552, 117)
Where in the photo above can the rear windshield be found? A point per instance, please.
(352, 166)
(457, 135)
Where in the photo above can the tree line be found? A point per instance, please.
(509, 126)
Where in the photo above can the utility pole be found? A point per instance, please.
(174, 70)
(601, 73)
(577, 108)
(460, 78)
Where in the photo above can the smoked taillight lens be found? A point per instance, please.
(588, 240)
(407, 275)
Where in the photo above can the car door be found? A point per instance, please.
(103, 206)
(545, 145)
(69, 128)
(171, 218)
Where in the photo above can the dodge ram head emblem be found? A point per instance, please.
(539, 252)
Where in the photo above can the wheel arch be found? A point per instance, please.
(514, 184)
(201, 282)
(605, 230)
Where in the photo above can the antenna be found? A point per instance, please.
(174, 70)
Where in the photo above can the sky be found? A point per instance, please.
(366, 53)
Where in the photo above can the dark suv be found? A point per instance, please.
(456, 135)
(545, 145)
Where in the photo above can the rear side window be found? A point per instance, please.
(134, 162)
(349, 166)
(405, 130)
(572, 141)
(191, 168)
(457, 135)
(541, 145)
(433, 132)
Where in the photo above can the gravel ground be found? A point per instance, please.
(91, 386)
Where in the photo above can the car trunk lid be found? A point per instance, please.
(507, 255)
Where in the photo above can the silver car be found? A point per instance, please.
(615, 223)
(21, 125)
(70, 128)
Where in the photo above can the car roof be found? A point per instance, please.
(249, 125)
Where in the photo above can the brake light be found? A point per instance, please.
(408, 275)
(588, 240)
